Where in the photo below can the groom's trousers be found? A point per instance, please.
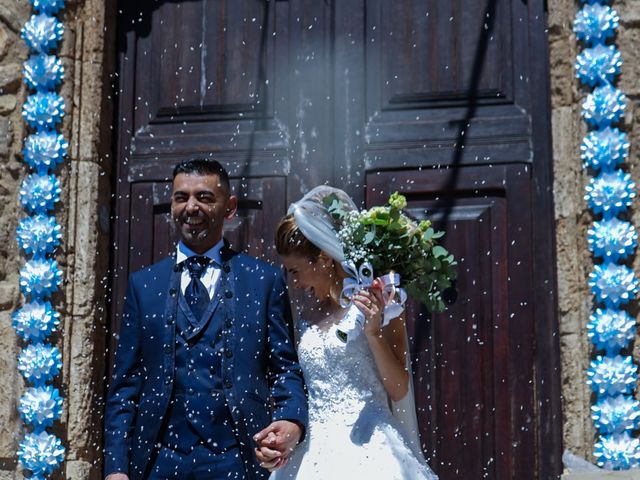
(199, 464)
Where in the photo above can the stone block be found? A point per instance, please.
(85, 400)
(10, 78)
(603, 475)
(10, 387)
(86, 181)
(5, 136)
(7, 104)
(628, 39)
(9, 293)
(80, 470)
(5, 40)
(14, 14)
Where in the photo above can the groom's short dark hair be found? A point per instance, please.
(203, 166)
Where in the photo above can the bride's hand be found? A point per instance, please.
(371, 304)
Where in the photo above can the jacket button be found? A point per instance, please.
(170, 320)
(167, 349)
(172, 292)
(228, 324)
(228, 294)
(228, 353)
(226, 268)
(213, 343)
(227, 383)
(176, 268)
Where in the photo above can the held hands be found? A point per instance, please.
(371, 304)
(276, 442)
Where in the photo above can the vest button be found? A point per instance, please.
(213, 343)
(167, 349)
(173, 292)
(228, 294)
(226, 268)
(190, 391)
(170, 320)
(167, 381)
(176, 268)
(228, 353)
(228, 324)
(227, 383)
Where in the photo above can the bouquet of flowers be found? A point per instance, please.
(391, 242)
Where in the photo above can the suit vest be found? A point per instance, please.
(198, 411)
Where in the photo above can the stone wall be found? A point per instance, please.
(572, 216)
(84, 216)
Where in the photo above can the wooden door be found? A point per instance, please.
(443, 100)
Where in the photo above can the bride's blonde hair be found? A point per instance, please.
(291, 241)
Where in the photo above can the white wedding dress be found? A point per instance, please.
(352, 433)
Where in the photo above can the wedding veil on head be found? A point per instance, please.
(316, 223)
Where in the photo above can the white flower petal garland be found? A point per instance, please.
(610, 193)
(39, 235)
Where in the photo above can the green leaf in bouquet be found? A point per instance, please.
(438, 234)
(439, 251)
(369, 236)
(428, 234)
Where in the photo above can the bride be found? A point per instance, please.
(352, 430)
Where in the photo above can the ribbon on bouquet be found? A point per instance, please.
(362, 277)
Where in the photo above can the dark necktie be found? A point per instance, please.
(196, 293)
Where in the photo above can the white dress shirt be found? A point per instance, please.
(211, 274)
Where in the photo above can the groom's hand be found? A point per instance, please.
(117, 476)
(276, 442)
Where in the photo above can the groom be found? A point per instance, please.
(205, 357)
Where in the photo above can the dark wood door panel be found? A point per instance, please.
(473, 363)
(450, 76)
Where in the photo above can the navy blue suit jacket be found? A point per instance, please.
(263, 380)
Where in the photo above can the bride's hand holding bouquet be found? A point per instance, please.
(404, 255)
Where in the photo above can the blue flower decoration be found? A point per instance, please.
(39, 363)
(598, 65)
(40, 277)
(35, 321)
(611, 330)
(613, 284)
(595, 23)
(619, 451)
(42, 33)
(612, 375)
(610, 193)
(616, 414)
(43, 110)
(43, 72)
(604, 149)
(50, 7)
(612, 239)
(45, 150)
(604, 106)
(40, 407)
(41, 453)
(40, 193)
(38, 235)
